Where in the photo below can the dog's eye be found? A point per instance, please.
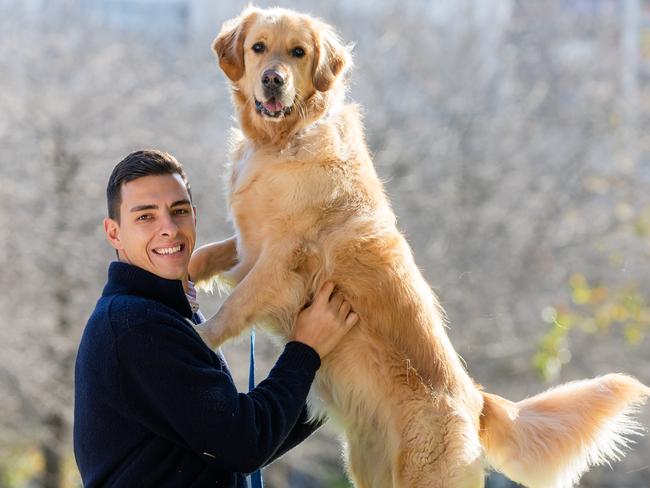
(298, 52)
(259, 47)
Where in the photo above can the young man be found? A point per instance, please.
(154, 406)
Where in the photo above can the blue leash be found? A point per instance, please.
(256, 477)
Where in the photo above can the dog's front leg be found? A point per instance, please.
(271, 288)
(212, 259)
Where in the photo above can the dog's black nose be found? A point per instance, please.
(272, 79)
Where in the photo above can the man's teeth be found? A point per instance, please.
(168, 250)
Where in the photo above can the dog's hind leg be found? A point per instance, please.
(468, 477)
(357, 467)
(440, 447)
(366, 463)
(417, 470)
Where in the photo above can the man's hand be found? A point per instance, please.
(324, 323)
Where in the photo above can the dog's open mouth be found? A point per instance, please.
(272, 108)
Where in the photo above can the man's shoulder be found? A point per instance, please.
(123, 312)
(122, 308)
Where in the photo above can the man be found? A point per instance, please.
(154, 406)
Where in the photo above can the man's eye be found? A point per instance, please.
(298, 52)
(259, 47)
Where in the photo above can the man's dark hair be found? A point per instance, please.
(136, 165)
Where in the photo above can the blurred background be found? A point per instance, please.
(512, 137)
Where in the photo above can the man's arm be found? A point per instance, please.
(305, 427)
(171, 386)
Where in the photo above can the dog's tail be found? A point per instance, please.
(549, 440)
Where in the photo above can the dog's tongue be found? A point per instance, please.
(273, 105)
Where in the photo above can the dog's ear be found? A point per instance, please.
(229, 44)
(331, 57)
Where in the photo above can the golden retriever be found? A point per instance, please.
(308, 206)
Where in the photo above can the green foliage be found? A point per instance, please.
(642, 224)
(593, 309)
(341, 482)
(19, 467)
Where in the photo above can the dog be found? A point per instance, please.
(307, 207)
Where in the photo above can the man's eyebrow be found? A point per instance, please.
(140, 208)
(177, 203)
(185, 201)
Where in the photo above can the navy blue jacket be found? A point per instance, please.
(155, 407)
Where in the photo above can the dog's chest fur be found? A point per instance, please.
(257, 192)
(276, 194)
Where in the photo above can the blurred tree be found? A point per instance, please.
(594, 309)
(617, 302)
(74, 101)
(497, 125)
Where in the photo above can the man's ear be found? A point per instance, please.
(112, 230)
(229, 44)
(331, 57)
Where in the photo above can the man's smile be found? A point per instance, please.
(164, 251)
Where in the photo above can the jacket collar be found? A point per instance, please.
(124, 278)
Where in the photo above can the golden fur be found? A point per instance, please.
(307, 206)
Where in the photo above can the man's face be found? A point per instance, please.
(157, 228)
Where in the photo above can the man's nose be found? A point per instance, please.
(272, 79)
(168, 227)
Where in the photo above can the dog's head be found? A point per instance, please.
(279, 61)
